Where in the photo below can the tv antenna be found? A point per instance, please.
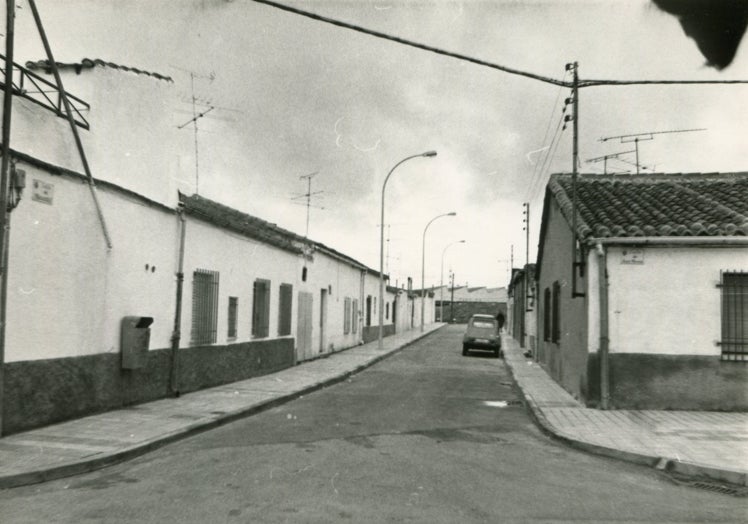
(637, 137)
(308, 196)
(605, 158)
(195, 117)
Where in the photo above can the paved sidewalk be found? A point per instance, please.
(693, 443)
(93, 442)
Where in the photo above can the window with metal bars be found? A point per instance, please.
(261, 308)
(233, 311)
(734, 340)
(204, 307)
(285, 302)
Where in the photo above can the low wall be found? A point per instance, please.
(42, 392)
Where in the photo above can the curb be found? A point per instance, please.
(669, 465)
(122, 455)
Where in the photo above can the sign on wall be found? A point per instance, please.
(633, 256)
(42, 192)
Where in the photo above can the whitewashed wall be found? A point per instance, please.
(669, 304)
(133, 140)
(67, 293)
(239, 261)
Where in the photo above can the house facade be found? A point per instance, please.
(646, 308)
(215, 295)
(521, 308)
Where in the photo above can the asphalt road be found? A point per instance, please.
(426, 435)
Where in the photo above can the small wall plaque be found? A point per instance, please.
(42, 191)
(633, 256)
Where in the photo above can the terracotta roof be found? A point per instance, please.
(655, 205)
(242, 223)
(90, 63)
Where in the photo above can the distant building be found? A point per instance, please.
(460, 303)
(522, 308)
(649, 308)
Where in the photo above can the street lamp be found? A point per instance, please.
(423, 263)
(441, 281)
(381, 244)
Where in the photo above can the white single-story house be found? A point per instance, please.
(644, 304)
(189, 294)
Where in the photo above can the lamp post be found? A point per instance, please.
(423, 264)
(381, 243)
(441, 281)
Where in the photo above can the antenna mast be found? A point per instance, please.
(636, 137)
(308, 195)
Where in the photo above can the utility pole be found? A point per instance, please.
(574, 117)
(526, 229)
(4, 182)
(452, 299)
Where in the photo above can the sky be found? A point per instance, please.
(295, 96)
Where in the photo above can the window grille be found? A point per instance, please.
(734, 340)
(233, 311)
(556, 319)
(285, 303)
(204, 307)
(261, 308)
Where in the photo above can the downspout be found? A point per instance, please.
(4, 182)
(176, 334)
(604, 340)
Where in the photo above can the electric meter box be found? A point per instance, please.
(134, 339)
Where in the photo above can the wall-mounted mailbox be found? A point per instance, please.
(134, 339)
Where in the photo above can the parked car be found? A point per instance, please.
(482, 333)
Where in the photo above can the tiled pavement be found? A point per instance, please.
(695, 443)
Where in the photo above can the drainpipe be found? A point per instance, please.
(604, 340)
(176, 334)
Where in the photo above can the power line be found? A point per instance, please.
(536, 167)
(417, 45)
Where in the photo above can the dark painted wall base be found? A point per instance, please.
(642, 381)
(371, 333)
(43, 392)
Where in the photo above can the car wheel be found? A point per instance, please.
(464, 350)
(496, 353)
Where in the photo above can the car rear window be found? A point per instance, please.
(483, 323)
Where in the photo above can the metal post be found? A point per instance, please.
(4, 182)
(71, 120)
(381, 246)
(423, 265)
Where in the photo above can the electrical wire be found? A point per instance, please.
(536, 167)
(548, 80)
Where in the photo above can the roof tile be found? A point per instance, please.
(693, 204)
